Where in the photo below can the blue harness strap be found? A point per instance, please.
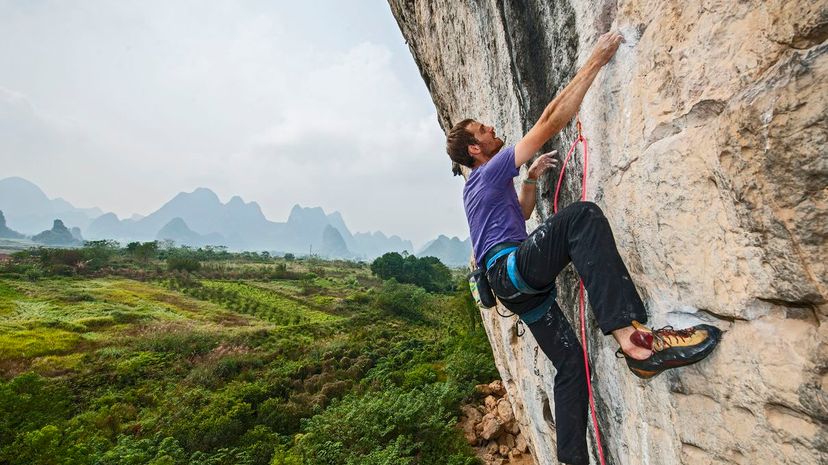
(499, 254)
(519, 283)
(538, 312)
(522, 287)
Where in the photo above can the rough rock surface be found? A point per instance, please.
(492, 429)
(708, 154)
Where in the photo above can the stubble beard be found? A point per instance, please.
(499, 146)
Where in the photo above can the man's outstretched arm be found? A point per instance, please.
(564, 106)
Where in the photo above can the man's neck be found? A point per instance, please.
(482, 161)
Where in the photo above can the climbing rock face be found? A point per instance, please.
(707, 137)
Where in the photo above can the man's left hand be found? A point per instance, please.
(541, 164)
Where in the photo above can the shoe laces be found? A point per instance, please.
(667, 336)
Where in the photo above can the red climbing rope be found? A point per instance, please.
(581, 302)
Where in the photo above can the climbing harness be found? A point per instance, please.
(522, 287)
(581, 304)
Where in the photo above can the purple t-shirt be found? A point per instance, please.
(492, 206)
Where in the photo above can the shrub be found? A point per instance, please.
(142, 252)
(183, 264)
(214, 372)
(335, 389)
(98, 253)
(463, 301)
(403, 300)
(260, 443)
(141, 365)
(394, 425)
(282, 416)
(29, 402)
(38, 447)
(179, 342)
(61, 270)
(283, 455)
(471, 361)
(156, 450)
(420, 375)
(220, 422)
(33, 274)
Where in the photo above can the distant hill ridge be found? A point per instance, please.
(451, 251)
(28, 208)
(178, 231)
(199, 218)
(59, 235)
(5, 232)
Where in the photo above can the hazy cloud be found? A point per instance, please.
(315, 104)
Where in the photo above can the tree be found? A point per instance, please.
(390, 265)
(98, 253)
(143, 252)
(403, 300)
(183, 263)
(432, 275)
(426, 272)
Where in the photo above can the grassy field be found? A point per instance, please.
(326, 365)
(67, 317)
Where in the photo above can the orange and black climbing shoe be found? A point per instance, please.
(672, 348)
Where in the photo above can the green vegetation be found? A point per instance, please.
(115, 356)
(426, 272)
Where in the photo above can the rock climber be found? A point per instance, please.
(521, 268)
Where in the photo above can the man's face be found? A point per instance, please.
(489, 143)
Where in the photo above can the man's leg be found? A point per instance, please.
(556, 338)
(580, 233)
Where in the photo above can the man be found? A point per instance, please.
(522, 268)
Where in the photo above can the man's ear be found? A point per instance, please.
(474, 151)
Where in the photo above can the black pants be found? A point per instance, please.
(580, 234)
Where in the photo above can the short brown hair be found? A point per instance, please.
(458, 141)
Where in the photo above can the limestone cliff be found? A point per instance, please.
(708, 137)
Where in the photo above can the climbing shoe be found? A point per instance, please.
(672, 348)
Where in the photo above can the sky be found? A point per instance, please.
(122, 105)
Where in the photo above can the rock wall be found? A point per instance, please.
(707, 137)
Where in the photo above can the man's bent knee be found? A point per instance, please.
(589, 207)
(580, 208)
